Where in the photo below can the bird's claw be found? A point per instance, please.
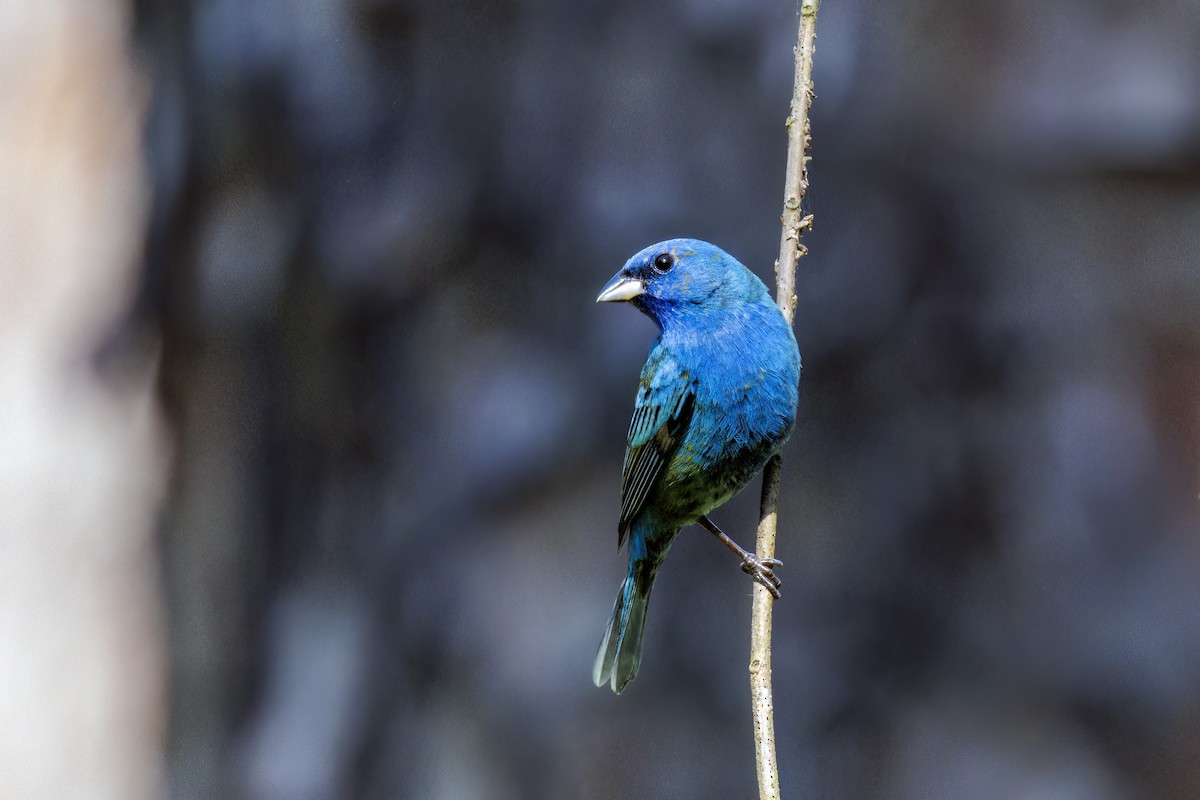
(763, 571)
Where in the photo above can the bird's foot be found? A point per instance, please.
(763, 571)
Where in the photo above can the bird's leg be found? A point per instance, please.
(762, 569)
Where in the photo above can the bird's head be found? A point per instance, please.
(679, 277)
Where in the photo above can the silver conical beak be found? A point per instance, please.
(620, 288)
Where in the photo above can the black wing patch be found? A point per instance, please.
(651, 445)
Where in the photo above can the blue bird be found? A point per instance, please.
(716, 400)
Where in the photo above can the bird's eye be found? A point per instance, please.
(663, 262)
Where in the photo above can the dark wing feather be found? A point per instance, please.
(660, 421)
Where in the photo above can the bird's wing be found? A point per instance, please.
(666, 399)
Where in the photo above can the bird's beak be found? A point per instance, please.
(620, 288)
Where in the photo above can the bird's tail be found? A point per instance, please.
(621, 648)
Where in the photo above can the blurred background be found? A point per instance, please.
(311, 432)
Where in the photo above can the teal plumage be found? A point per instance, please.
(717, 398)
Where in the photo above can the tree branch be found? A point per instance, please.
(790, 251)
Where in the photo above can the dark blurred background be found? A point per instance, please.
(373, 233)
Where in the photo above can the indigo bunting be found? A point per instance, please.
(716, 400)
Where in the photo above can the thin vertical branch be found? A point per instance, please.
(790, 251)
(85, 458)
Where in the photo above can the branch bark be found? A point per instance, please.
(790, 252)
(84, 458)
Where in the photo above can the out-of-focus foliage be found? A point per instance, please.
(377, 231)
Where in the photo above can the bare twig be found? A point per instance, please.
(790, 251)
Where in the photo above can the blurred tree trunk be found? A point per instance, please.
(82, 454)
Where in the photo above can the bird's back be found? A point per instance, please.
(746, 367)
